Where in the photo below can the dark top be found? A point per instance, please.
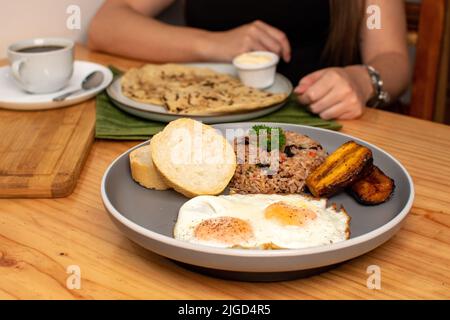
(305, 22)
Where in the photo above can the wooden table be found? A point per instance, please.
(41, 238)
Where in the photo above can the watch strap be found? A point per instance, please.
(380, 97)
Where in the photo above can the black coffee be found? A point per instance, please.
(38, 49)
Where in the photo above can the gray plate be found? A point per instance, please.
(159, 113)
(148, 217)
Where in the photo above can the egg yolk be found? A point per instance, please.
(228, 230)
(290, 215)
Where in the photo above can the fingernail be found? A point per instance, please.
(300, 89)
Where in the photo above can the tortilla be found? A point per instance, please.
(192, 90)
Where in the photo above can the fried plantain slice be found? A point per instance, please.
(349, 163)
(374, 189)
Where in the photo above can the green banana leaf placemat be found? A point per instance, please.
(113, 123)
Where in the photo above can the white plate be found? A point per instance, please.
(159, 113)
(13, 97)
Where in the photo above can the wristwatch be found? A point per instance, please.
(380, 97)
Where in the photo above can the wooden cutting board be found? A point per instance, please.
(42, 152)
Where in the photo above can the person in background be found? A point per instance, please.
(325, 45)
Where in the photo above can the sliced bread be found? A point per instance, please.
(193, 158)
(143, 171)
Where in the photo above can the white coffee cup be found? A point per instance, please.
(42, 65)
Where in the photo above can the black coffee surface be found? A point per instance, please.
(37, 49)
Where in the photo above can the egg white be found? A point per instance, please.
(329, 226)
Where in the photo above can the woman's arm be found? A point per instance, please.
(386, 49)
(341, 93)
(126, 27)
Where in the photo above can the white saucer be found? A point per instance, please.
(13, 97)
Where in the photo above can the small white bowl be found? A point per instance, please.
(257, 68)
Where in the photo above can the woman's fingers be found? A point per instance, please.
(349, 115)
(334, 112)
(322, 93)
(329, 99)
(256, 45)
(344, 110)
(331, 93)
(319, 84)
(277, 36)
(251, 37)
(251, 41)
(266, 40)
(308, 81)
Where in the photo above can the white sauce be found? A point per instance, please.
(253, 58)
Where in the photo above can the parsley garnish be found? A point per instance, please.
(268, 131)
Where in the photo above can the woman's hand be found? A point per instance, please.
(336, 93)
(258, 35)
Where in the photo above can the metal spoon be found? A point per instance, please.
(92, 80)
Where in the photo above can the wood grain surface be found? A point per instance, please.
(40, 238)
(42, 152)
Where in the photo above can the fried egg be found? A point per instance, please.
(261, 221)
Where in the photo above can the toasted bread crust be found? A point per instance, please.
(143, 171)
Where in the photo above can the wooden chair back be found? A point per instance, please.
(428, 30)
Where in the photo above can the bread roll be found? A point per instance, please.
(193, 158)
(143, 171)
